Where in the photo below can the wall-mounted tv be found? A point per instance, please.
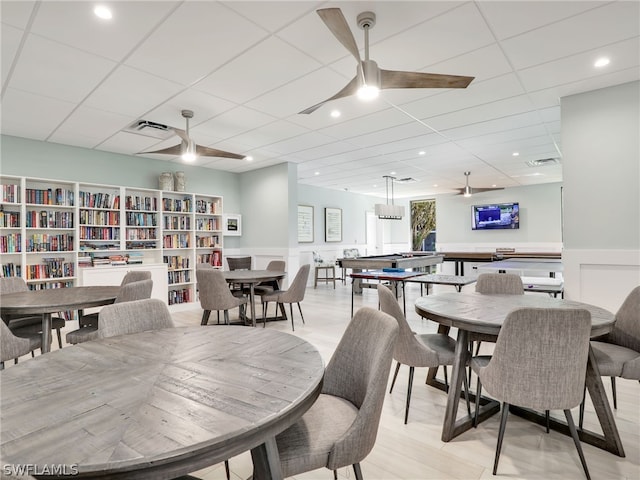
(495, 216)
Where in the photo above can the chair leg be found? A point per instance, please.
(357, 471)
(226, 469)
(226, 317)
(393, 381)
(478, 393)
(446, 380)
(466, 392)
(335, 475)
(503, 424)
(613, 388)
(581, 416)
(60, 345)
(546, 418)
(406, 411)
(291, 312)
(576, 440)
(205, 317)
(218, 315)
(301, 316)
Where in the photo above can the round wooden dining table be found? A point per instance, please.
(52, 300)
(158, 404)
(484, 314)
(252, 278)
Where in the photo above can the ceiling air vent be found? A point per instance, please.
(543, 161)
(150, 129)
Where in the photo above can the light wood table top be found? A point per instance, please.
(52, 300)
(484, 314)
(158, 404)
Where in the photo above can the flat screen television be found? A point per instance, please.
(495, 216)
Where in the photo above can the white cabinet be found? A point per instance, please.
(113, 275)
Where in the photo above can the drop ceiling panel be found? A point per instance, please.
(74, 24)
(32, 116)
(610, 23)
(50, 69)
(92, 125)
(272, 16)
(16, 14)
(234, 122)
(189, 46)
(130, 91)
(270, 134)
(11, 38)
(264, 67)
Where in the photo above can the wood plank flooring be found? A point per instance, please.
(414, 451)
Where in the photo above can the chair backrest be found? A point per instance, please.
(317, 258)
(214, 290)
(295, 292)
(239, 263)
(277, 265)
(136, 276)
(408, 349)
(133, 317)
(358, 372)
(540, 358)
(626, 330)
(135, 291)
(12, 285)
(12, 346)
(497, 283)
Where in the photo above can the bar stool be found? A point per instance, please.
(329, 275)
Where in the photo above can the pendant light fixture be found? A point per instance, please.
(389, 211)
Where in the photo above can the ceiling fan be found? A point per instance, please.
(467, 191)
(370, 79)
(188, 150)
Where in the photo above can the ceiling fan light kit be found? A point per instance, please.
(188, 150)
(370, 79)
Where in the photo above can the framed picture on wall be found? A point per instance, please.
(305, 224)
(232, 224)
(332, 224)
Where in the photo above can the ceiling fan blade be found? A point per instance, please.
(480, 190)
(398, 79)
(182, 134)
(335, 21)
(214, 152)
(349, 89)
(175, 150)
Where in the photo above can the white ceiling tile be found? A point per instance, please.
(75, 24)
(11, 38)
(33, 116)
(194, 42)
(233, 122)
(512, 18)
(129, 91)
(613, 22)
(58, 71)
(272, 15)
(92, 125)
(270, 133)
(264, 67)
(16, 13)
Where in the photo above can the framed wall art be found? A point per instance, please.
(332, 224)
(232, 224)
(305, 224)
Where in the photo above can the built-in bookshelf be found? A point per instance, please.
(51, 229)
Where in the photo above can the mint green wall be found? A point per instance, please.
(33, 158)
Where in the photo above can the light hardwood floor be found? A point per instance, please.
(415, 451)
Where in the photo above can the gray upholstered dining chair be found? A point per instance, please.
(496, 284)
(14, 346)
(294, 294)
(426, 350)
(215, 294)
(617, 354)
(239, 263)
(539, 362)
(133, 317)
(340, 428)
(128, 292)
(130, 277)
(22, 325)
(271, 285)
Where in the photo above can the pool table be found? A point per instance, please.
(412, 260)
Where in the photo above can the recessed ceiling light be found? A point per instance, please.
(103, 12)
(493, 185)
(392, 173)
(601, 62)
(515, 154)
(375, 186)
(335, 113)
(435, 184)
(422, 152)
(316, 173)
(249, 158)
